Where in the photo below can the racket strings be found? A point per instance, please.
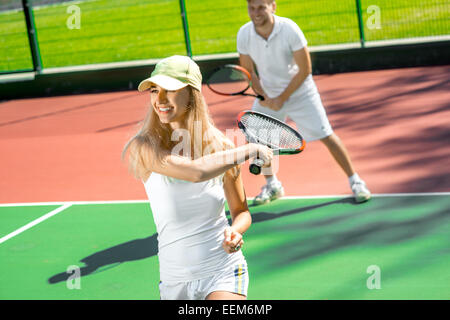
(271, 132)
(228, 80)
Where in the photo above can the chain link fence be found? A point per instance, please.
(72, 33)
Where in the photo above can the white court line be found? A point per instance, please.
(65, 205)
(29, 204)
(376, 195)
(35, 222)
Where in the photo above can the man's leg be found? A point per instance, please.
(272, 190)
(340, 154)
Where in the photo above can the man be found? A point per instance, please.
(278, 49)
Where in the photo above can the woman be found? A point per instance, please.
(187, 183)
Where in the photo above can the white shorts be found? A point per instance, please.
(233, 279)
(306, 111)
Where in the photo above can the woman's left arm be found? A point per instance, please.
(240, 215)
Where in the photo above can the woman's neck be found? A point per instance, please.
(178, 124)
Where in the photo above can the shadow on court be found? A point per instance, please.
(385, 105)
(266, 216)
(385, 222)
(148, 247)
(111, 257)
(423, 153)
(330, 226)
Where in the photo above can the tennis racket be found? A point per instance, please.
(263, 129)
(231, 80)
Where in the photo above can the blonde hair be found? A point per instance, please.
(154, 138)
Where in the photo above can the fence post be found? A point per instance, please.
(32, 36)
(187, 39)
(360, 23)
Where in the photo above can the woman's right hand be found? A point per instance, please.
(261, 152)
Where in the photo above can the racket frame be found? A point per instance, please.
(242, 92)
(251, 138)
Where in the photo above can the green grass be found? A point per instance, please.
(122, 30)
(295, 249)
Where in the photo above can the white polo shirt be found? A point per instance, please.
(274, 57)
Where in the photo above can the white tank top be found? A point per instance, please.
(190, 220)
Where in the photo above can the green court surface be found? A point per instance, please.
(296, 248)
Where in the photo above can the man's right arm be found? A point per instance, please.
(247, 63)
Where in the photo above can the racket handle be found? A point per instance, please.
(255, 166)
(260, 97)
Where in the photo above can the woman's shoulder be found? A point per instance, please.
(145, 179)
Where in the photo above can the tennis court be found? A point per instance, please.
(67, 200)
(297, 248)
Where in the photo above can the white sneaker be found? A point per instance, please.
(268, 193)
(360, 191)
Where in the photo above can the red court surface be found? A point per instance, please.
(395, 124)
